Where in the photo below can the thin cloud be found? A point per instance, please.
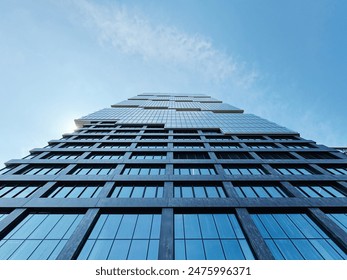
(132, 33)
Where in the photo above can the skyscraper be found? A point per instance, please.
(163, 176)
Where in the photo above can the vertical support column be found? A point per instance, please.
(260, 249)
(12, 219)
(76, 241)
(166, 243)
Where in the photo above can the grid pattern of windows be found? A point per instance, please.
(340, 219)
(194, 170)
(114, 146)
(148, 156)
(198, 191)
(233, 170)
(106, 156)
(198, 155)
(296, 237)
(188, 146)
(151, 146)
(293, 171)
(20, 190)
(138, 191)
(250, 191)
(41, 171)
(62, 156)
(76, 146)
(319, 190)
(85, 170)
(142, 170)
(235, 155)
(337, 171)
(123, 237)
(224, 146)
(298, 146)
(210, 237)
(261, 146)
(76, 191)
(317, 155)
(282, 155)
(39, 237)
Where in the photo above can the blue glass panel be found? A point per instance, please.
(26, 227)
(208, 227)
(306, 249)
(272, 226)
(288, 226)
(307, 226)
(260, 191)
(177, 192)
(248, 191)
(180, 252)
(274, 250)
(150, 192)
(44, 250)
(138, 192)
(110, 227)
(232, 250)
(155, 231)
(275, 192)
(138, 250)
(191, 226)
(199, 192)
(178, 226)
(160, 192)
(25, 250)
(337, 249)
(86, 250)
(325, 249)
(187, 192)
(4, 190)
(125, 192)
(76, 192)
(224, 227)
(8, 247)
(334, 192)
(98, 226)
(127, 226)
(45, 227)
(213, 250)
(62, 192)
(309, 192)
(195, 250)
(143, 227)
(236, 226)
(119, 250)
(239, 192)
(221, 192)
(88, 192)
(26, 192)
(100, 250)
(153, 250)
(116, 191)
(212, 192)
(57, 250)
(288, 250)
(340, 219)
(246, 249)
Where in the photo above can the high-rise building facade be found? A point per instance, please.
(163, 176)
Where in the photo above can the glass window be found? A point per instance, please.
(143, 170)
(198, 155)
(198, 191)
(85, 170)
(105, 156)
(337, 171)
(39, 237)
(137, 191)
(114, 146)
(20, 190)
(123, 237)
(194, 170)
(319, 190)
(63, 156)
(295, 237)
(256, 190)
(41, 171)
(148, 156)
(188, 146)
(294, 171)
(224, 146)
(234, 155)
(340, 219)
(76, 191)
(234, 170)
(279, 155)
(209, 237)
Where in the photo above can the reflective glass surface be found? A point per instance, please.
(210, 237)
(296, 237)
(38, 237)
(123, 237)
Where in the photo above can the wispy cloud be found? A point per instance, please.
(132, 33)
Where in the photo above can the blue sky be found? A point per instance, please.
(282, 60)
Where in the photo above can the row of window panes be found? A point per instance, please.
(197, 236)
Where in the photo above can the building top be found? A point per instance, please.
(185, 111)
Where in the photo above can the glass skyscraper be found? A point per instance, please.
(167, 176)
